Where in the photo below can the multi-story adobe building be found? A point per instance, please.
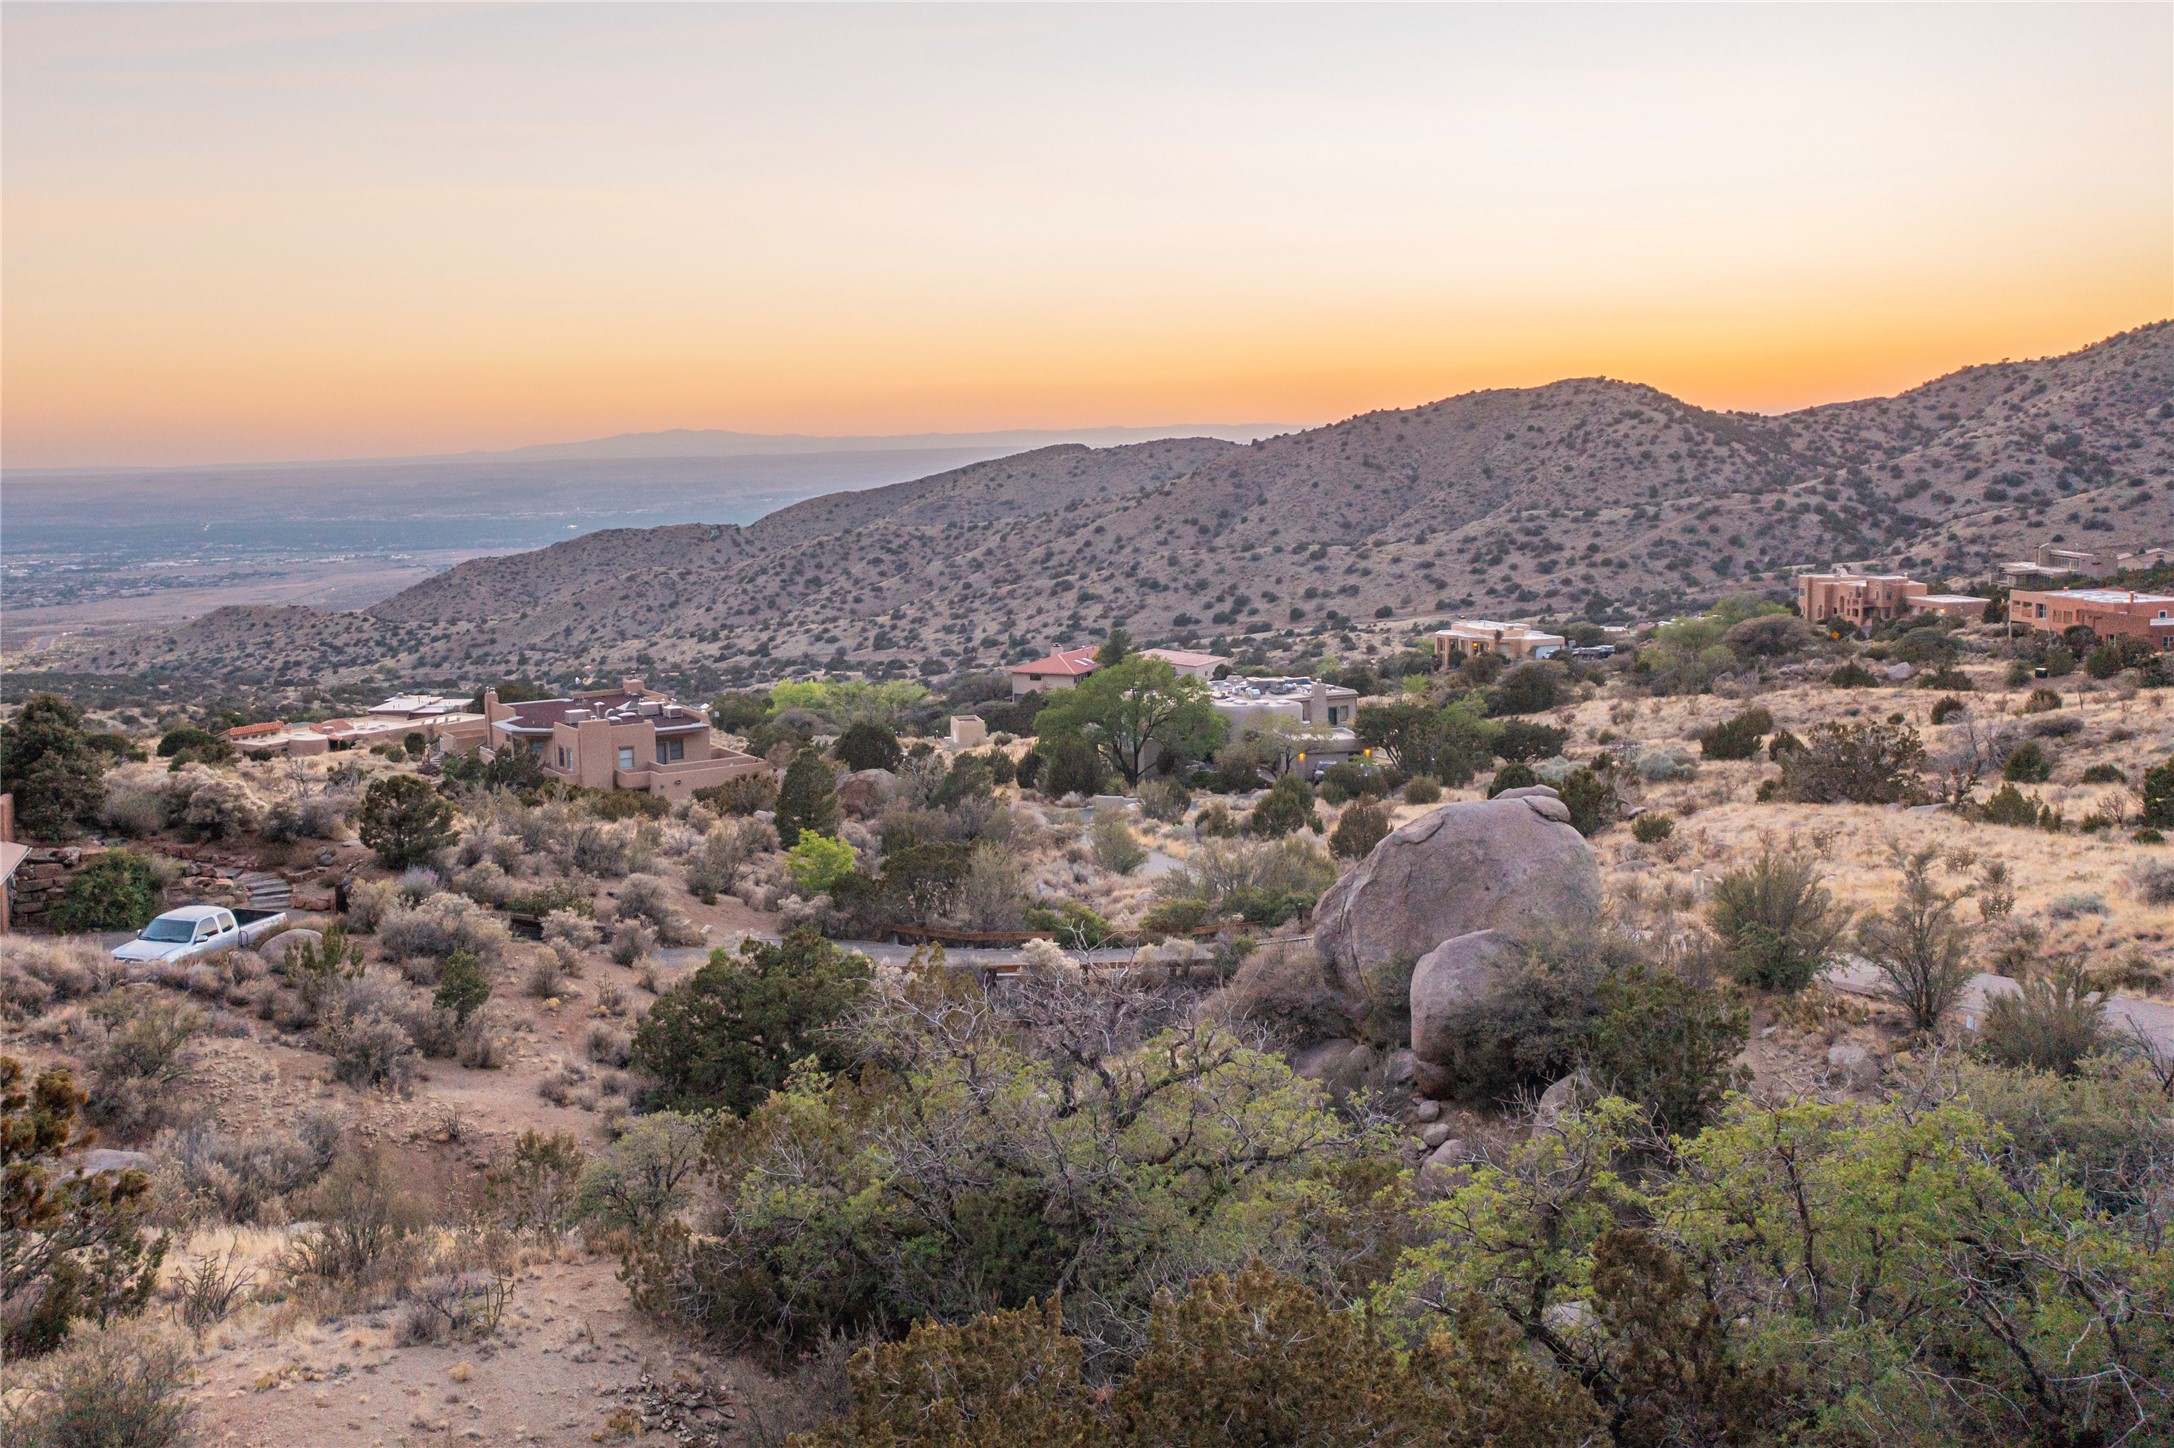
(630, 737)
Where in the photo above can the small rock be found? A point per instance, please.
(1567, 1316)
(1561, 1099)
(1443, 1170)
(1435, 1134)
(1427, 1111)
(461, 1372)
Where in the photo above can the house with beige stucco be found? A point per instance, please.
(631, 737)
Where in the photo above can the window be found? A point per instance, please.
(565, 757)
(626, 757)
(671, 750)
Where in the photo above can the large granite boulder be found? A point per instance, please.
(1448, 979)
(1510, 864)
(863, 793)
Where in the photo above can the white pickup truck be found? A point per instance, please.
(196, 931)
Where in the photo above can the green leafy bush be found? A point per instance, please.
(1852, 675)
(1946, 708)
(740, 796)
(1590, 794)
(1359, 828)
(47, 763)
(1525, 740)
(2158, 796)
(1511, 776)
(817, 862)
(2040, 701)
(2054, 1022)
(1422, 789)
(1287, 807)
(1652, 827)
(2011, 806)
(868, 745)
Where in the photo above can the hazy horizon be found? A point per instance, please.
(240, 234)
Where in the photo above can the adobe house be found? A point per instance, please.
(1861, 598)
(630, 737)
(1512, 641)
(2107, 612)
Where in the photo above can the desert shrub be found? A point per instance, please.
(631, 942)
(2105, 774)
(1525, 740)
(725, 1037)
(368, 1041)
(1116, 848)
(74, 1249)
(741, 796)
(993, 892)
(647, 1176)
(1069, 766)
(614, 805)
(364, 1234)
(1358, 829)
(1946, 708)
(1287, 807)
(1176, 917)
(239, 1178)
(1738, 737)
(1652, 827)
(715, 867)
(1422, 789)
(2154, 882)
(1527, 688)
(1776, 924)
(1075, 926)
(369, 902)
(1865, 763)
(553, 897)
(320, 817)
(140, 1045)
(133, 813)
(1659, 766)
(123, 1386)
(38, 974)
(2158, 796)
(1589, 793)
(1267, 882)
(1164, 799)
(1511, 776)
(2027, 764)
(117, 890)
(1783, 743)
(1027, 769)
(2011, 806)
(818, 861)
(867, 745)
(440, 926)
(2058, 726)
(1215, 821)
(2040, 701)
(1852, 675)
(205, 804)
(1666, 1044)
(2053, 1022)
(418, 883)
(1919, 945)
(485, 883)
(646, 898)
(2080, 903)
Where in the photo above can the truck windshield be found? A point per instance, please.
(170, 931)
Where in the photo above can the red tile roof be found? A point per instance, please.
(1066, 663)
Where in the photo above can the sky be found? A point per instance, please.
(254, 233)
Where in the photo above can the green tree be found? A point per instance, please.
(117, 890)
(807, 799)
(1666, 1044)
(1738, 737)
(1451, 743)
(1072, 767)
(866, 744)
(463, 986)
(1115, 649)
(727, 1036)
(404, 820)
(190, 745)
(47, 763)
(1132, 711)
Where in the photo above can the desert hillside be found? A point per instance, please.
(1590, 496)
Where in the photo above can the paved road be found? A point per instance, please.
(2154, 1018)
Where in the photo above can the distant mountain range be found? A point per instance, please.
(1588, 497)
(713, 443)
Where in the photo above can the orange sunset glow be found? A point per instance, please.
(251, 233)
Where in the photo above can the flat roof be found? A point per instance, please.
(2109, 595)
(1184, 658)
